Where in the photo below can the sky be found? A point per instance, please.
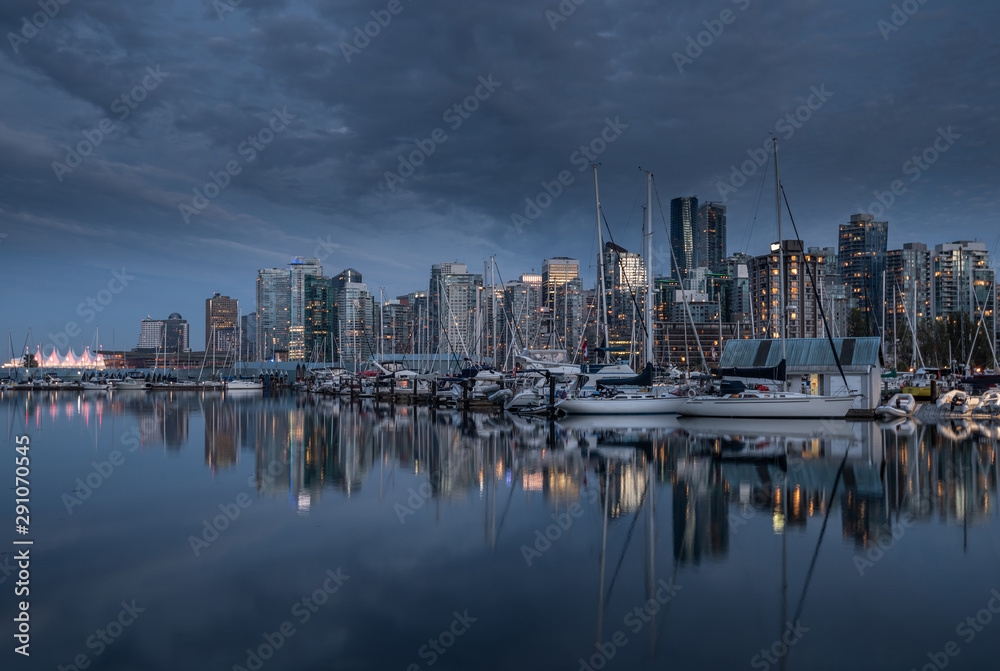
(155, 152)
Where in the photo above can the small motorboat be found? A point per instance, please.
(989, 402)
(956, 402)
(900, 405)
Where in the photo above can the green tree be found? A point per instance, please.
(29, 361)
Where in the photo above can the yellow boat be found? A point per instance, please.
(917, 392)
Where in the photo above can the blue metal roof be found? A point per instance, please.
(800, 352)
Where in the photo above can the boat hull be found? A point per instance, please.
(805, 407)
(625, 406)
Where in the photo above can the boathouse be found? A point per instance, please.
(812, 368)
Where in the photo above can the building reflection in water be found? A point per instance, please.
(720, 474)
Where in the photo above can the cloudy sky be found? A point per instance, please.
(387, 136)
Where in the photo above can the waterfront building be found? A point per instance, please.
(908, 281)
(684, 234)
(802, 309)
(862, 258)
(418, 327)
(711, 236)
(454, 297)
(522, 309)
(274, 308)
(395, 327)
(355, 318)
(625, 297)
(222, 325)
(562, 303)
(317, 342)
(169, 335)
(248, 335)
(299, 270)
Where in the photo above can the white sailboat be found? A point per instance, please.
(631, 396)
(773, 405)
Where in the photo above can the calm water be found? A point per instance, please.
(328, 536)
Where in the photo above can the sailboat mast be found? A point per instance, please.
(603, 323)
(781, 254)
(649, 266)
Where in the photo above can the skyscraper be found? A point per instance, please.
(625, 295)
(299, 269)
(908, 283)
(317, 343)
(355, 318)
(418, 327)
(221, 319)
(453, 302)
(274, 309)
(248, 328)
(684, 234)
(711, 236)
(562, 303)
(861, 255)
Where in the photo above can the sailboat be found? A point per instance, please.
(771, 404)
(631, 395)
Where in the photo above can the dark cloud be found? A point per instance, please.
(323, 177)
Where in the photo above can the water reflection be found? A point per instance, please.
(303, 448)
(722, 506)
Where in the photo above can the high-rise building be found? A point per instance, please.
(562, 303)
(908, 284)
(396, 323)
(316, 340)
(418, 327)
(274, 310)
(454, 300)
(625, 297)
(299, 269)
(248, 333)
(861, 255)
(962, 281)
(803, 319)
(222, 326)
(837, 300)
(170, 335)
(684, 234)
(522, 308)
(711, 236)
(355, 318)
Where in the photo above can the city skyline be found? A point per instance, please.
(187, 144)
